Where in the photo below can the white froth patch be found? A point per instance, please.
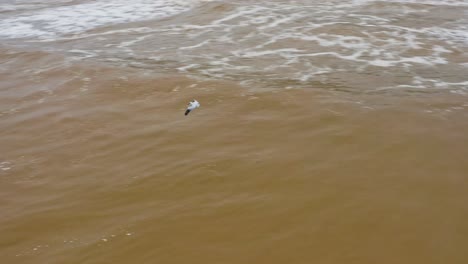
(423, 83)
(253, 54)
(418, 60)
(188, 67)
(293, 35)
(5, 166)
(18, 7)
(81, 17)
(268, 40)
(422, 2)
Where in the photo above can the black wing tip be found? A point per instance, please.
(187, 112)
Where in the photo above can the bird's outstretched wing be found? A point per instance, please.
(191, 106)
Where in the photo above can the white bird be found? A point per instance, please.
(191, 106)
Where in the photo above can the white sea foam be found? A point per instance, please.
(5, 166)
(365, 41)
(76, 18)
(298, 41)
(422, 2)
(19, 7)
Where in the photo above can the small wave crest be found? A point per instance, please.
(74, 18)
(421, 2)
(301, 43)
(276, 42)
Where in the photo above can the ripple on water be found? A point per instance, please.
(263, 42)
(267, 40)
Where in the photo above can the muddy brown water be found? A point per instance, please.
(313, 155)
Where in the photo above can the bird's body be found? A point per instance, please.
(191, 106)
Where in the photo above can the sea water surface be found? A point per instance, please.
(329, 131)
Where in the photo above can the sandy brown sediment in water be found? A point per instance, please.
(329, 132)
(106, 168)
